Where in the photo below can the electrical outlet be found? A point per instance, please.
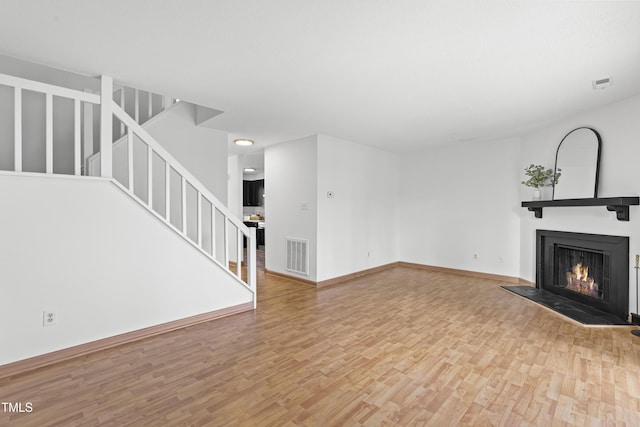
(49, 317)
(475, 257)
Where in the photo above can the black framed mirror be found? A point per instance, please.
(578, 159)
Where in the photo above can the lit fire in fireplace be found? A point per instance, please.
(578, 280)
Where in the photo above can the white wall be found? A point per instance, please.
(234, 185)
(86, 249)
(357, 227)
(459, 200)
(619, 128)
(290, 177)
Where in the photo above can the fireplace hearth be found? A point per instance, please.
(591, 269)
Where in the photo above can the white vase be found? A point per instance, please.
(537, 195)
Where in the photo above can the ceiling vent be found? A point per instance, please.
(602, 83)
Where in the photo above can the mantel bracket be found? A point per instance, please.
(622, 212)
(536, 210)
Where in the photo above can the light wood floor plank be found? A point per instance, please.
(400, 347)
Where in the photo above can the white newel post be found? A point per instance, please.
(106, 129)
(251, 264)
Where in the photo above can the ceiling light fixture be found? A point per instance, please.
(243, 141)
(249, 170)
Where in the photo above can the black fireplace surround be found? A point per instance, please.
(563, 257)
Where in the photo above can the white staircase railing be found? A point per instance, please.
(162, 104)
(150, 174)
(141, 105)
(78, 98)
(162, 176)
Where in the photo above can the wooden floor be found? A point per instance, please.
(401, 347)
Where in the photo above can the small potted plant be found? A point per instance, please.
(540, 177)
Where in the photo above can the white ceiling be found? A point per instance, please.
(401, 74)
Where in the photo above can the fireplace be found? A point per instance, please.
(588, 268)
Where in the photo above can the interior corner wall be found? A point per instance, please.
(234, 185)
(201, 150)
(357, 222)
(619, 128)
(462, 200)
(291, 187)
(107, 266)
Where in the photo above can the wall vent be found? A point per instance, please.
(298, 256)
(602, 83)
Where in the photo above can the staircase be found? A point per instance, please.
(109, 145)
